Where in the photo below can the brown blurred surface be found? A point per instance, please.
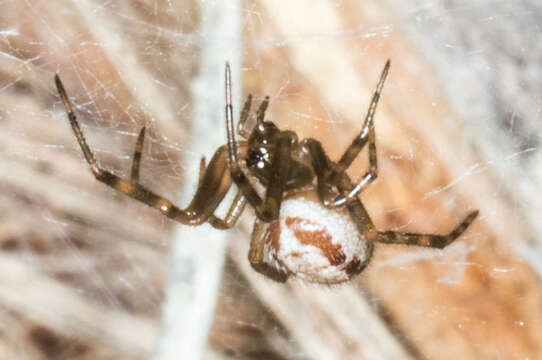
(84, 268)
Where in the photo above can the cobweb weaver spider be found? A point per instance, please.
(311, 222)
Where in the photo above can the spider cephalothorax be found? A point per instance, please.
(310, 222)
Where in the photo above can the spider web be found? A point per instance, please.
(86, 270)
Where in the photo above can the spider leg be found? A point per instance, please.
(367, 134)
(326, 180)
(233, 214)
(241, 125)
(368, 125)
(235, 210)
(260, 114)
(213, 186)
(256, 255)
(267, 210)
(361, 217)
(201, 170)
(427, 240)
(369, 176)
(137, 156)
(323, 166)
(323, 169)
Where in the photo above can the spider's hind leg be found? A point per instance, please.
(427, 240)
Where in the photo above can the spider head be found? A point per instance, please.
(261, 143)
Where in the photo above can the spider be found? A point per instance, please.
(310, 224)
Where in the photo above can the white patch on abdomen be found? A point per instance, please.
(314, 243)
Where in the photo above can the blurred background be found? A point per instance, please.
(88, 273)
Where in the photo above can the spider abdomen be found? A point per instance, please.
(314, 243)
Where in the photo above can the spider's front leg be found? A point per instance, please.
(268, 209)
(214, 184)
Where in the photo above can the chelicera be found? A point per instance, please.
(310, 223)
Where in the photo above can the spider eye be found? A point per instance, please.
(253, 158)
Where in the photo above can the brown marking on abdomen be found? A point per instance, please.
(319, 238)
